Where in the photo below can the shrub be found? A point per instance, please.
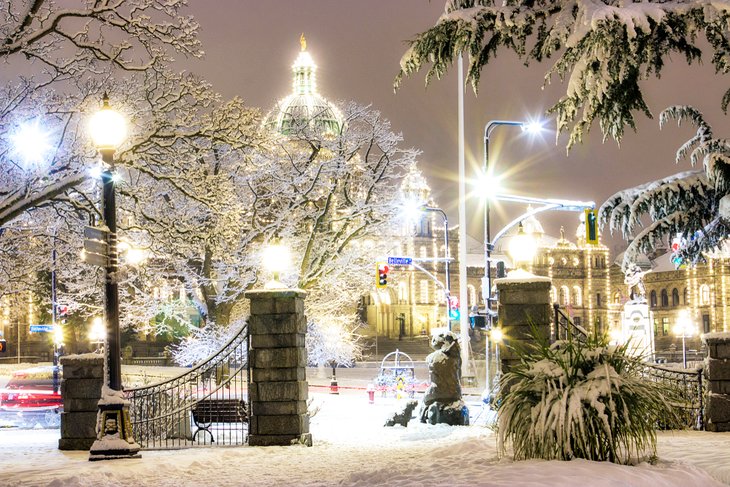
(585, 400)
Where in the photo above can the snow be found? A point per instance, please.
(521, 275)
(352, 448)
(716, 335)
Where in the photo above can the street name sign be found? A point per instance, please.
(41, 328)
(96, 233)
(400, 261)
(95, 247)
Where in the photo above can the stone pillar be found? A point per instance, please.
(524, 303)
(83, 377)
(717, 411)
(277, 358)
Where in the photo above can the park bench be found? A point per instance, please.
(210, 411)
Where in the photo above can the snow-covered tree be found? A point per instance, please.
(603, 50)
(685, 204)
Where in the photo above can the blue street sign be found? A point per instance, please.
(400, 261)
(41, 328)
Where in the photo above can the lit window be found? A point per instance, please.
(704, 295)
(423, 288)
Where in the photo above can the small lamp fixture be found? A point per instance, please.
(496, 335)
(97, 332)
(523, 247)
(276, 259)
(107, 127)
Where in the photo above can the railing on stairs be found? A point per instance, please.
(563, 328)
(163, 415)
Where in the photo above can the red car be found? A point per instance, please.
(32, 397)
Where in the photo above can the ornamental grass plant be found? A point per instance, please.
(574, 399)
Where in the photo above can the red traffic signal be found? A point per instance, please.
(3, 346)
(382, 275)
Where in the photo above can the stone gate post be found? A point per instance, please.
(83, 377)
(277, 357)
(717, 417)
(524, 302)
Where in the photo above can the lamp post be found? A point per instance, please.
(486, 282)
(108, 131)
(415, 208)
(114, 435)
(684, 328)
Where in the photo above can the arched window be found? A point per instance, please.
(617, 297)
(564, 296)
(704, 295)
(665, 298)
(423, 291)
(471, 295)
(598, 300)
(402, 292)
(652, 299)
(675, 297)
(577, 296)
(553, 294)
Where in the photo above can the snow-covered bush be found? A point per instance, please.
(582, 400)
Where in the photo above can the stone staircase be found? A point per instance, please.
(417, 347)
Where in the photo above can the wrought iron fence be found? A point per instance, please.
(563, 328)
(689, 385)
(687, 382)
(204, 406)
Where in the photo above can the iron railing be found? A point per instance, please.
(689, 386)
(563, 328)
(166, 415)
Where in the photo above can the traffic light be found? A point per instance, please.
(381, 280)
(591, 226)
(62, 314)
(3, 346)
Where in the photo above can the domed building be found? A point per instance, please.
(304, 108)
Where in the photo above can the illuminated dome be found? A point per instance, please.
(415, 187)
(304, 107)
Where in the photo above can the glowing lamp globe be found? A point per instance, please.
(276, 259)
(522, 247)
(97, 333)
(107, 127)
(496, 335)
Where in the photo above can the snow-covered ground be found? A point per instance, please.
(352, 448)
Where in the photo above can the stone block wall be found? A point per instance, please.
(278, 388)
(83, 377)
(524, 303)
(717, 367)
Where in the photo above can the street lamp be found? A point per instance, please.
(686, 329)
(532, 127)
(413, 210)
(522, 248)
(114, 436)
(97, 333)
(276, 258)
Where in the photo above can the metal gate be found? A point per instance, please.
(204, 406)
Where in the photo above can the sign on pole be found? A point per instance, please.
(96, 246)
(95, 259)
(96, 233)
(41, 328)
(400, 261)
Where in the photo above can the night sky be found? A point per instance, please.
(251, 45)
